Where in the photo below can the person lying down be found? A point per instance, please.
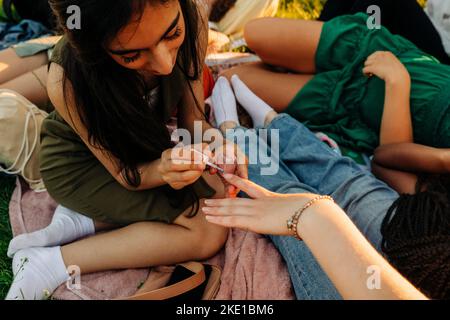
(295, 211)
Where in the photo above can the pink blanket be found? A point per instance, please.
(252, 267)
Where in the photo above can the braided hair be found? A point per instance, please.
(416, 236)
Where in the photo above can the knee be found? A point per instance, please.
(213, 241)
(213, 237)
(229, 73)
(253, 35)
(209, 238)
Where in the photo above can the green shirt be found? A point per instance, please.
(348, 106)
(76, 179)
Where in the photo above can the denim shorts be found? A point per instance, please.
(306, 164)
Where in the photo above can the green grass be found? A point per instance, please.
(300, 9)
(6, 190)
(422, 2)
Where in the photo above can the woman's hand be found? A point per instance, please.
(181, 167)
(266, 213)
(233, 161)
(386, 66)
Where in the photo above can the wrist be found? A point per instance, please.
(293, 223)
(157, 167)
(398, 80)
(314, 217)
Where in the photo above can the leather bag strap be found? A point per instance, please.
(179, 288)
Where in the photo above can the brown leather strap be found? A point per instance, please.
(213, 285)
(176, 289)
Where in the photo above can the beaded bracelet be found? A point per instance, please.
(292, 223)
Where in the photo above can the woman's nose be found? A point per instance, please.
(162, 61)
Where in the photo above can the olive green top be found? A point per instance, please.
(76, 179)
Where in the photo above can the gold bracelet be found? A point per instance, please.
(292, 223)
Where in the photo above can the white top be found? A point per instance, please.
(439, 13)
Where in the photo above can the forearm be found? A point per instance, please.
(413, 157)
(396, 124)
(346, 256)
(149, 176)
(401, 181)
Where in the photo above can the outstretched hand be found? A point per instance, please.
(265, 213)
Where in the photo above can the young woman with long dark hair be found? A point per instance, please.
(115, 84)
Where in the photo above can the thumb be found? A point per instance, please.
(252, 189)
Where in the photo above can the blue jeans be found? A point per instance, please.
(307, 165)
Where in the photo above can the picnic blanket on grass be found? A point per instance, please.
(252, 267)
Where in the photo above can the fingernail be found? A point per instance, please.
(208, 202)
(205, 209)
(227, 176)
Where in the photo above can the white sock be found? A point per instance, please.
(66, 226)
(224, 102)
(254, 105)
(38, 272)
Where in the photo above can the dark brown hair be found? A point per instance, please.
(416, 236)
(108, 96)
(220, 8)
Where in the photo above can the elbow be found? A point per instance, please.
(212, 242)
(208, 239)
(377, 155)
(124, 183)
(445, 161)
(252, 34)
(385, 155)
